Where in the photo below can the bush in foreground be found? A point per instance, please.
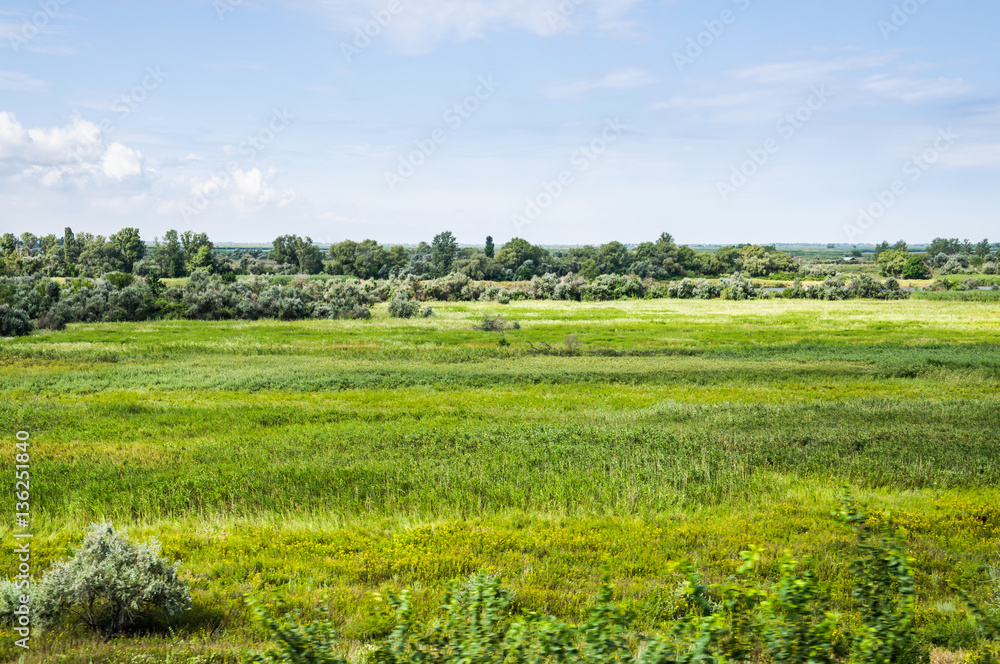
(109, 584)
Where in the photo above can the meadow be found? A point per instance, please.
(324, 461)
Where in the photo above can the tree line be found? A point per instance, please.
(181, 254)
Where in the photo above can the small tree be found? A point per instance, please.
(110, 583)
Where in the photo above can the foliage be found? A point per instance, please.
(14, 322)
(613, 287)
(915, 269)
(884, 594)
(724, 622)
(109, 584)
(491, 323)
(294, 642)
(737, 287)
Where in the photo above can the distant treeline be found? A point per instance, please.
(181, 254)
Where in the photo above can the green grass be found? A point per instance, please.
(325, 460)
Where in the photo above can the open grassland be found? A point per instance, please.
(324, 460)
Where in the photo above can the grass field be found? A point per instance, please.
(324, 460)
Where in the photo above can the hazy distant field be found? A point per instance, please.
(327, 459)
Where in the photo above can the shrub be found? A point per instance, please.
(832, 288)
(988, 268)
(313, 643)
(953, 266)
(402, 305)
(119, 279)
(449, 287)
(544, 287)
(9, 601)
(51, 320)
(737, 287)
(706, 290)
(14, 322)
(496, 324)
(110, 584)
(682, 290)
(613, 287)
(570, 287)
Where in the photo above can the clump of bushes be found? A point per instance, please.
(109, 585)
(614, 287)
(737, 287)
(14, 322)
(496, 324)
(403, 305)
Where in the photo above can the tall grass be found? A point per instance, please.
(327, 459)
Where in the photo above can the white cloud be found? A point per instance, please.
(810, 72)
(48, 145)
(248, 190)
(423, 23)
(13, 80)
(121, 162)
(74, 154)
(908, 90)
(619, 80)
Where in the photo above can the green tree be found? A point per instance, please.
(169, 255)
(516, 252)
(130, 246)
(443, 251)
(342, 257)
(915, 268)
(398, 257)
(71, 252)
(371, 260)
(99, 256)
(983, 248)
(490, 249)
(892, 262)
(201, 259)
(29, 243)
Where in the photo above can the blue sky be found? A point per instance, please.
(581, 121)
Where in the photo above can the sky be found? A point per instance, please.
(559, 121)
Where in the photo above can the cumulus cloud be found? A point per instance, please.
(73, 154)
(121, 162)
(245, 190)
(422, 24)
